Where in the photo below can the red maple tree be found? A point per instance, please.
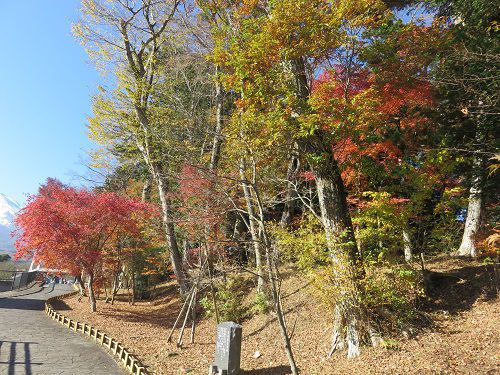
(75, 229)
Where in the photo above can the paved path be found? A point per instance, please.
(33, 344)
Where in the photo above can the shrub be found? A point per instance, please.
(228, 298)
(391, 294)
(261, 304)
(390, 291)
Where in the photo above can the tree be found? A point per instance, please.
(274, 50)
(467, 80)
(134, 34)
(77, 230)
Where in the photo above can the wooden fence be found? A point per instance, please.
(129, 361)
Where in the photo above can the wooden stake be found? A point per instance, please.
(193, 316)
(169, 338)
(179, 341)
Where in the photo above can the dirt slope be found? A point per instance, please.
(463, 337)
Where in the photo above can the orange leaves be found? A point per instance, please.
(368, 118)
(153, 266)
(394, 96)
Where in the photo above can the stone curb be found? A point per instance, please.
(119, 353)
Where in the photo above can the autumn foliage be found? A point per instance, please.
(77, 230)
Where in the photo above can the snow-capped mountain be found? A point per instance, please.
(8, 210)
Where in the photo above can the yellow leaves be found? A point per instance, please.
(494, 167)
(258, 53)
(248, 6)
(361, 13)
(492, 242)
(77, 29)
(494, 26)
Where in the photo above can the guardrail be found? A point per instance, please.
(122, 355)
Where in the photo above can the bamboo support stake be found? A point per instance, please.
(179, 341)
(169, 338)
(193, 317)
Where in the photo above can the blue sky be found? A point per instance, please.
(46, 83)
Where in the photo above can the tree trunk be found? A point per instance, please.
(344, 254)
(81, 286)
(146, 190)
(474, 209)
(175, 256)
(219, 119)
(93, 302)
(114, 289)
(274, 280)
(156, 170)
(408, 251)
(134, 289)
(291, 193)
(254, 227)
(185, 251)
(280, 314)
(336, 220)
(379, 231)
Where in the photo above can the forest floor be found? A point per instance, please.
(461, 336)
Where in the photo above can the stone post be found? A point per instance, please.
(227, 350)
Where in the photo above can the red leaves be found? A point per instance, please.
(339, 82)
(307, 176)
(395, 97)
(201, 199)
(371, 117)
(70, 229)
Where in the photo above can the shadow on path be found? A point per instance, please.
(16, 350)
(24, 304)
(28, 337)
(5, 286)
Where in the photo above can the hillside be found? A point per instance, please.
(456, 335)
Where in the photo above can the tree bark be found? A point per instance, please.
(219, 119)
(291, 193)
(407, 245)
(143, 80)
(337, 224)
(254, 228)
(134, 289)
(274, 279)
(93, 302)
(156, 171)
(146, 190)
(280, 314)
(81, 285)
(114, 289)
(474, 209)
(175, 256)
(346, 263)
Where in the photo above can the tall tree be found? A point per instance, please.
(273, 51)
(131, 36)
(467, 78)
